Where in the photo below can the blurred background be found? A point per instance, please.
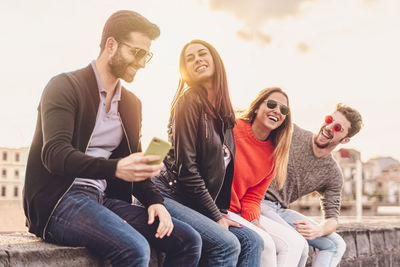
(320, 52)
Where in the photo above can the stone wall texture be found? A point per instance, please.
(368, 244)
(373, 245)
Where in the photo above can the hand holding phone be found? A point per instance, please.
(159, 147)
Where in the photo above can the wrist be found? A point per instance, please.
(118, 166)
(255, 221)
(321, 231)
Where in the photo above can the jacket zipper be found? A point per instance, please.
(220, 187)
(126, 136)
(59, 200)
(206, 119)
(219, 190)
(127, 140)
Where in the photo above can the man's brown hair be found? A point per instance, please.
(120, 24)
(353, 116)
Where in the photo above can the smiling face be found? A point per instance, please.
(199, 63)
(267, 118)
(328, 137)
(123, 63)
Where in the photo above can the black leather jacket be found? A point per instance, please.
(195, 167)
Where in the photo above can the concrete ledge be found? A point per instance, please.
(27, 250)
(20, 250)
(368, 244)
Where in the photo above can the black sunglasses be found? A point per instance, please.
(139, 53)
(271, 104)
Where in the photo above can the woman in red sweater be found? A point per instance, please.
(262, 139)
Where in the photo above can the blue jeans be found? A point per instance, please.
(236, 247)
(118, 231)
(330, 247)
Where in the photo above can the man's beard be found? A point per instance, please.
(320, 146)
(118, 67)
(328, 144)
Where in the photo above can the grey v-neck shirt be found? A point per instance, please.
(107, 133)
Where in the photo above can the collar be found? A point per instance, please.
(117, 94)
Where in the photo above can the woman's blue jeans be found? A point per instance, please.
(330, 247)
(118, 231)
(236, 247)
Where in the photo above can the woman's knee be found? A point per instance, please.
(332, 242)
(265, 242)
(306, 248)
(251, 240)
(300, 243)
(223, 244)
(232, 243)
(340, 244)
(220, 250)
(293, 242)
(260, 242)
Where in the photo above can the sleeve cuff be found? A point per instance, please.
(154, 198)
(109, 167)
(250, 215)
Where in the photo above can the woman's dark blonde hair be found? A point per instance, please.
(280, 137)
(223, 103)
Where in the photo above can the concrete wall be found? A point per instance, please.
(12, 218)
(371, 245)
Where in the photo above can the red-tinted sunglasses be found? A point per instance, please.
(337, 127)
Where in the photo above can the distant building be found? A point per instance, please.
(369, 180)
(388, 185)
(380, 174)
(380, 184)
(12, 172)
(378, 164)
(348, 160)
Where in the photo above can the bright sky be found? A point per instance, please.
(320, 52)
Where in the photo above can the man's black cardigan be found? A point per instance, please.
(66, 119)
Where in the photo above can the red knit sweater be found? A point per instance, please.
(254, 171)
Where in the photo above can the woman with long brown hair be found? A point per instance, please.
(197, 180)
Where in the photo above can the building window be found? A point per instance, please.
(3, 191)
(4, 156)
(4, 173)
(17, 156)
(347, 173)
(16, 173)
(16, 191)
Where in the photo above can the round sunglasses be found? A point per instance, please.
(271, 104)
(337, 127)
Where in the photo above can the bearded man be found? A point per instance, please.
(85, 161)
(311, 168)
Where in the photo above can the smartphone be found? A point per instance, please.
(159, 147)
